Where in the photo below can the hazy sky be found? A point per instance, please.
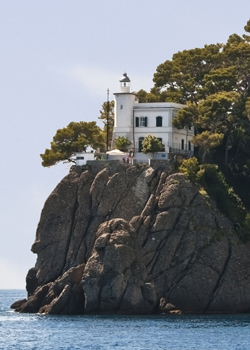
(58, 58)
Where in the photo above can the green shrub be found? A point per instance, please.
(213, 182)
(246, 223)
(190, 167)
(244, 231)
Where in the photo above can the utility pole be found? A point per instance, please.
(186, 137)
(107, 120)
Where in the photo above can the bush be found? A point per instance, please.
(190, 167)
(246, 223)
(214, 183)
(122, 143)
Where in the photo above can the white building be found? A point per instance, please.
(83, 157)
(137, 120)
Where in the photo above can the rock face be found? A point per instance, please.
(135, 240)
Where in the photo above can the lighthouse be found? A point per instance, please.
(135, 121)
(123, 110)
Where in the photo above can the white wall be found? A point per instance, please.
(151, 112)
(125, 120)
(85, 156)
(124, 103)
(123, 123)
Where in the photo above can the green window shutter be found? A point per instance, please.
(158, 121)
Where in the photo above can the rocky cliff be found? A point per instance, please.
(135, 240)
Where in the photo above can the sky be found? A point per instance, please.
(58, 58)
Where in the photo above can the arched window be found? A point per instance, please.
(159, 121)
(140, 143)
(182, 144)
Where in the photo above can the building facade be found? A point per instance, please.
(136, 120)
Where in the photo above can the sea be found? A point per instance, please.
(116, 332)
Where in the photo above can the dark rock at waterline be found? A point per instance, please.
(17, 304)
(135, 240)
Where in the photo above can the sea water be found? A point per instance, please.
(168, 332)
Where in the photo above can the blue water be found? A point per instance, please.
(29, 331)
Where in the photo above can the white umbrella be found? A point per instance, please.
(116, 152)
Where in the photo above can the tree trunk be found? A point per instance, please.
(227, 146)
(204, 155)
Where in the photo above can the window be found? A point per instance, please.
(189, 145)
(158, 121)
(182, 144)
(140, 143)
(79, 157)
(121, 106)
(141, 121)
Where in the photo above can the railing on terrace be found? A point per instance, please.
(175, 148)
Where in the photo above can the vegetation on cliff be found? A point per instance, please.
(214, 83)
(214, 183)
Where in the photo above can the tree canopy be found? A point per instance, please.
(122, 143)
(214, 83)
(76, 137)
(151, 144)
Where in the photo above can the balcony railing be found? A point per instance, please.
(172, 147)
(179, 148)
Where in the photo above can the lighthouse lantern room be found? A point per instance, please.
(125, 83)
